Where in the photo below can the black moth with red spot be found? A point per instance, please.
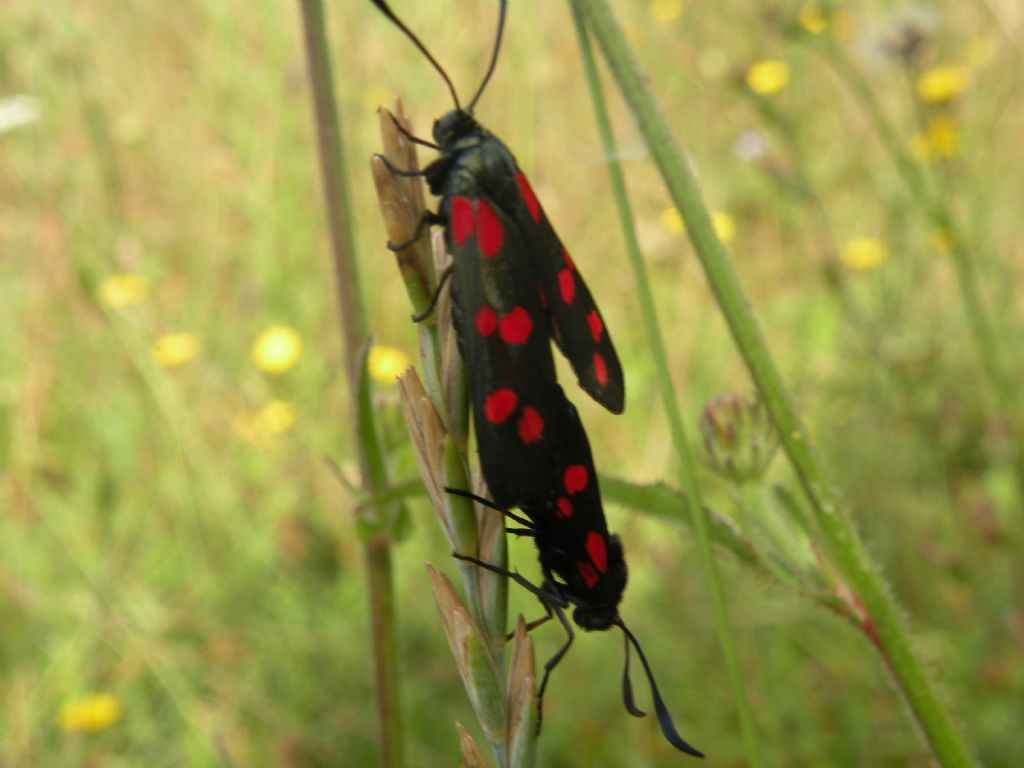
(515, 288)
(582, 563)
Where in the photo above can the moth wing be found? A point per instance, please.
(577, 324)
(571, 530)
(503, 332)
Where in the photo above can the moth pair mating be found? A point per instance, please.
(514, 289)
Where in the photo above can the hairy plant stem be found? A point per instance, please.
(656, 345)
(883, 620)
(372, 465)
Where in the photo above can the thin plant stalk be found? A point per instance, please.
(883, 620)
(656, 345)
(372, 465)
(1001, 377)
(436, 413)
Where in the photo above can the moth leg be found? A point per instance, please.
(419, 318)
(550, 602)
(518, 578)
(428, 218)
(553, 604)
(532, 625)
(553, 661)
(414, 139)
(490, 505)
(520, 531)
(399, 171)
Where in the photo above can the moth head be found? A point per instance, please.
(597, 607)
(453, 126)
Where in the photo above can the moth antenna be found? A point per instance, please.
(494, 55)
(383, 7)
(668, 728)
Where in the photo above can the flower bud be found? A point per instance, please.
(739, 438)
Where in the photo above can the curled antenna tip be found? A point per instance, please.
(627, 687)
(668, 728)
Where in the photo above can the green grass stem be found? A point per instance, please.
(687, 464)
(370, 453)
(883, 619)
(436, 412)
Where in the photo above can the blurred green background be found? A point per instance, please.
(181, 579)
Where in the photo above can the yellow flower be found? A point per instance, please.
(725, 226)
(386, 363)
(943, 137)
(277, 349)
(767, 77)
(275, 417)
(812, 19)
(672, 221)
(90, 714)
(941, 84)
(123, 289)
(174, 349)
(666, 10)
(864, 253)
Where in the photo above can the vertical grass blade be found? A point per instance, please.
(687, 464)
(883, 621)
(373, 477)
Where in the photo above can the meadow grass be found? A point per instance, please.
(171, 532)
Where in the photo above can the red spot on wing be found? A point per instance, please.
(528, 197)
(515, 326)
(486, 321)
(567, 285)
(568, 260)
(600, 369)
(596, 326)
(563, 507)
(492, 236)
(531, 426)
(461, 218)
(499, 405)
(597, 550)
(588, 573)
(576, 478)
